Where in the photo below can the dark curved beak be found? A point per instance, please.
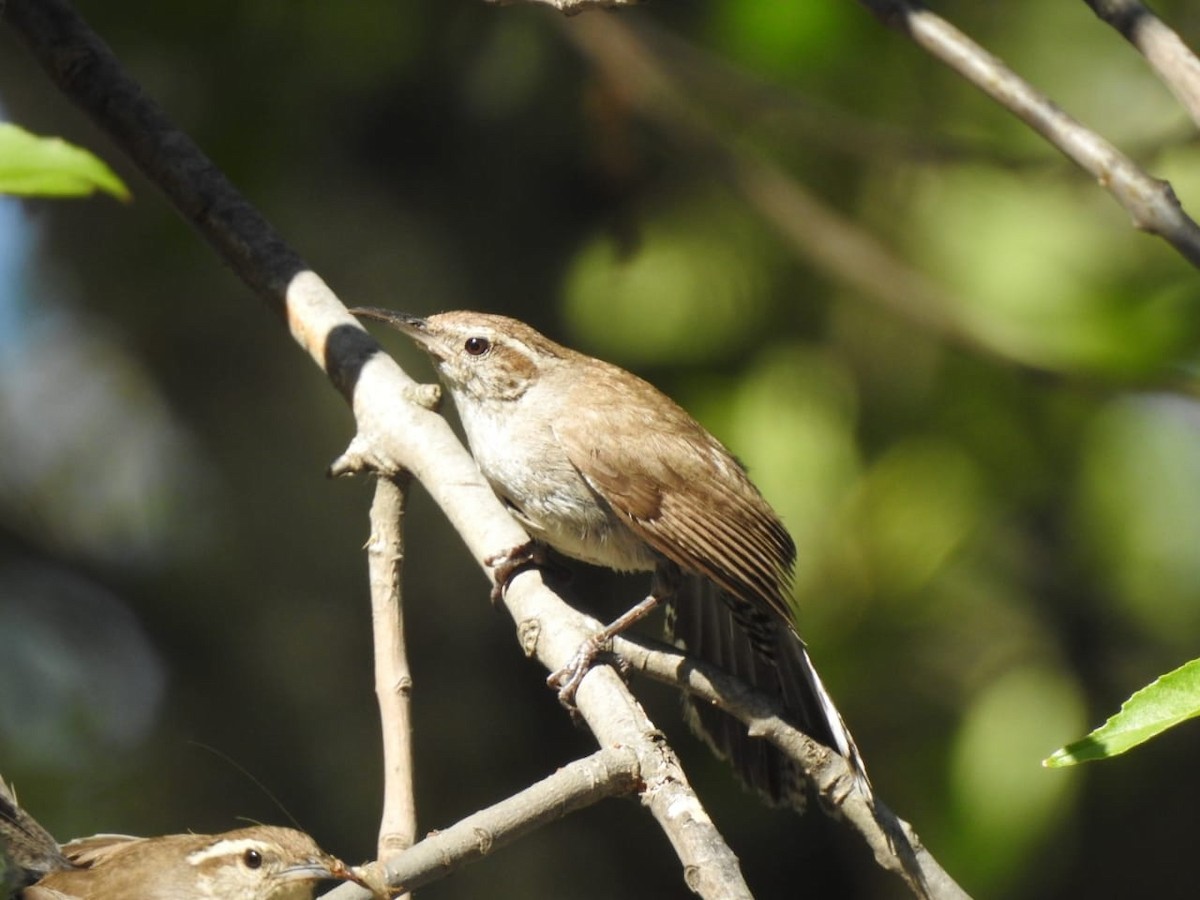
(413, 326)
(311, 870)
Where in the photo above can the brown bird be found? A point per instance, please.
(602, 467)
(262, 862)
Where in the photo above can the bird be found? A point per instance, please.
(602, 467)
(261, 862)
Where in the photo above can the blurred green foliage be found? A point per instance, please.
(996, 506)
(695, 288)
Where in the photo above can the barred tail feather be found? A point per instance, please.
(767, 654)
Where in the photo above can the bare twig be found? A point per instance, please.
(1149, 201)
(393, 680)
(577, 785)
(393, 434)
(1172, 60)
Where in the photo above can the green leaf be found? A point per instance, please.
(33, 166)
(1171, 699)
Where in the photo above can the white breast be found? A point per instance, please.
(529, 471)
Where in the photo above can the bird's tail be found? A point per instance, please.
(766, 653)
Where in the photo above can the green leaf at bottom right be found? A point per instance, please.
(1165, 702)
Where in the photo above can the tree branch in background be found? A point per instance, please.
(1172, 60)
(1150, 201)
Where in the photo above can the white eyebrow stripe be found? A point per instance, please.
(225, 848)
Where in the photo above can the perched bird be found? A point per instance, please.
(602, 467)
(262, 862)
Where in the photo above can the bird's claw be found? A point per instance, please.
(567, 679)
(506, 565)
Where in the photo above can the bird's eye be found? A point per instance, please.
(477, 346)
(252, 859)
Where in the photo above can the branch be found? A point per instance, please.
(393, 680)
(393, 434)
(576, 786)
(1150, 201)
(1170, 58)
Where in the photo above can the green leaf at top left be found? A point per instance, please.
(33, 166)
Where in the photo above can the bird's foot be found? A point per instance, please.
(567, 679)
(506, 565)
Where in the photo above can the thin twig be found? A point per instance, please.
(1170, 58)
(1148, 200)
(393, 680)
(576, 786)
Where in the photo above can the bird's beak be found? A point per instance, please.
(330, 869)
(414, 326)
(314, 870)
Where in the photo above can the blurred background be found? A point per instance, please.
(951, 364)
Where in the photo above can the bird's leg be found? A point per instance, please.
(567, 679)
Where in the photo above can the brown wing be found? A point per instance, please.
(100, 872)
(680, 490)
(88, 851)
(38, 892)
